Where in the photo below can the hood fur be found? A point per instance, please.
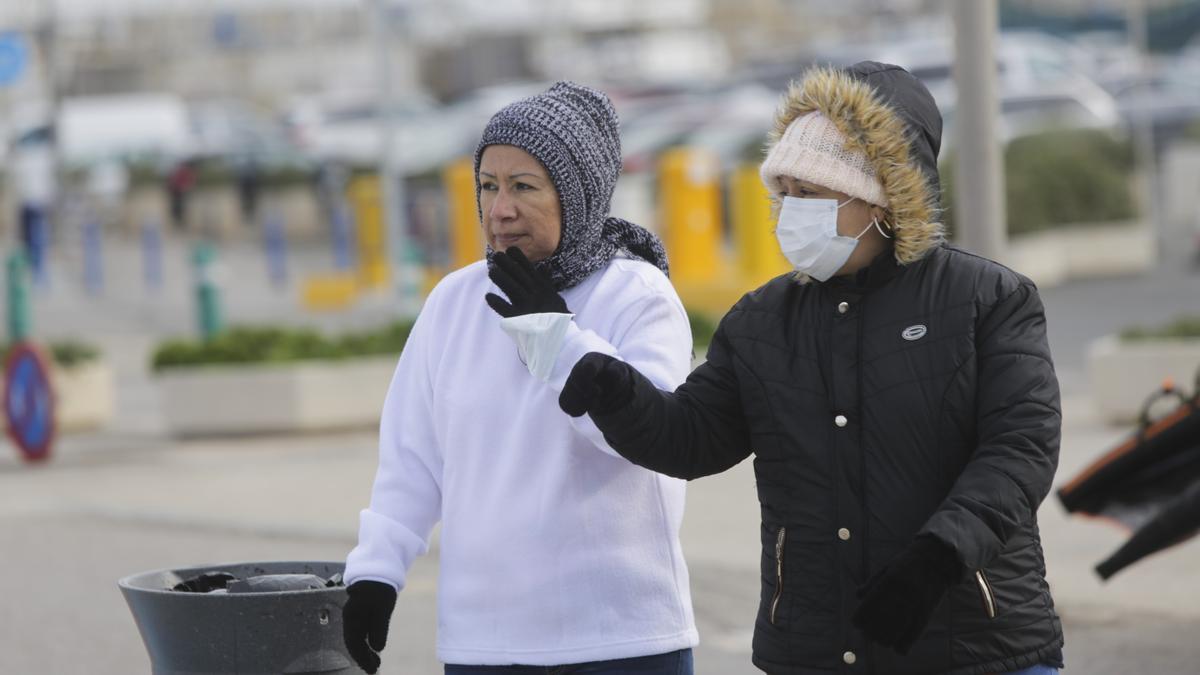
(887, 137)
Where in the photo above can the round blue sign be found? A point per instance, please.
(28, 401)
(12, 57)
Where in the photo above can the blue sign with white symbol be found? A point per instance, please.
(28, 401)
(13, 56)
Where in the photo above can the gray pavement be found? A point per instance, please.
(130, 499)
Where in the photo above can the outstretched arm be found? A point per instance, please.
(696, 431)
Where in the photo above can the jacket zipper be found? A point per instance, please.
(778, 572)
(985, 592)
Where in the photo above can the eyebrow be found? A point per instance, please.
(515, 175)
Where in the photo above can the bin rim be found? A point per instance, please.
(128, 582)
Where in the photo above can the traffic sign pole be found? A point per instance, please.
(17, 295)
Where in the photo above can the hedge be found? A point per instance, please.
(1059, 178)
(265, 344)
(65, 353)
(1183, 327)
(272, 344)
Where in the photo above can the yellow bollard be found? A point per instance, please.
(758, 256)
(690, 202)
(366, 198)
(329, 291)
(466, 237)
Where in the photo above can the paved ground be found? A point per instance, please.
(110, 506)
(131, 499)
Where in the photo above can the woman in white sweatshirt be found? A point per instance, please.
(557, 555)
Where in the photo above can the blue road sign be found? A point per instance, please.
(13, 56)
(28, 401)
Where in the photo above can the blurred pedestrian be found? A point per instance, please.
(555, 551)
(180, 183)
(107, 185)
(898, 396)
(35, 183)
(248, 174)
(331, 180)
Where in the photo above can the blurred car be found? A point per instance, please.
(1068, 104)
(736, 132)
(233, 132)
(1169, 99)
(646, 135)
(1025, 61)
(95, 129)
(349, 130)
(99, 128)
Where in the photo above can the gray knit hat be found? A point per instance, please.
(572, 131)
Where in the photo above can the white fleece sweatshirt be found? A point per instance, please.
(554, 549)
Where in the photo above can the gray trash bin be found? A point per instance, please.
(254, 633)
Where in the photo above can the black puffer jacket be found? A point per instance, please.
(916, 398)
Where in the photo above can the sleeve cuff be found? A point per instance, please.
(539, 339)
(385, 551)
(576, 342)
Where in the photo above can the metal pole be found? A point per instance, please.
(93, 255)
(52, 217)
(152, 255)
(391, 175)
(209, 318)
(1143, 130)
(978, 165)
(17, 295)
(275, 245)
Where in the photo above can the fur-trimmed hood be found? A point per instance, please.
(885, 112)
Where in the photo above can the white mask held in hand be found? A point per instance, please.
(807, 234)
(539, 339)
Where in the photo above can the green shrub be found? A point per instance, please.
(1192, 133)
(703, 326)
(1059, 178)
(279, 345)
(71, 353)
(1187, 326)
(212, 173)
(66, 353)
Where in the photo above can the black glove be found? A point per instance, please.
(529, 290)
(898, 601)
(597, 384)
(365, 620)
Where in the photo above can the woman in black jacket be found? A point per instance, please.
(898, 396)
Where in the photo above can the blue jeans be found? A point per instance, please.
(671, 663)
(1036, 670)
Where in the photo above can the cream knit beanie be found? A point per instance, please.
(812, 149)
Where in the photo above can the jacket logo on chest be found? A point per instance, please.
(913, 333)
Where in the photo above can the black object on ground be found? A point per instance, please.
(264, 617)
(1149, 483)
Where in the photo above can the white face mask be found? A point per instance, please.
(807, 234)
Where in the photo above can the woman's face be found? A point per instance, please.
(853, 218)
(519, 203)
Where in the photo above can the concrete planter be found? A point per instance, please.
(1123, 374)
(1180, 178)
(1082, 251)
(84, 394)
(275, 398)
